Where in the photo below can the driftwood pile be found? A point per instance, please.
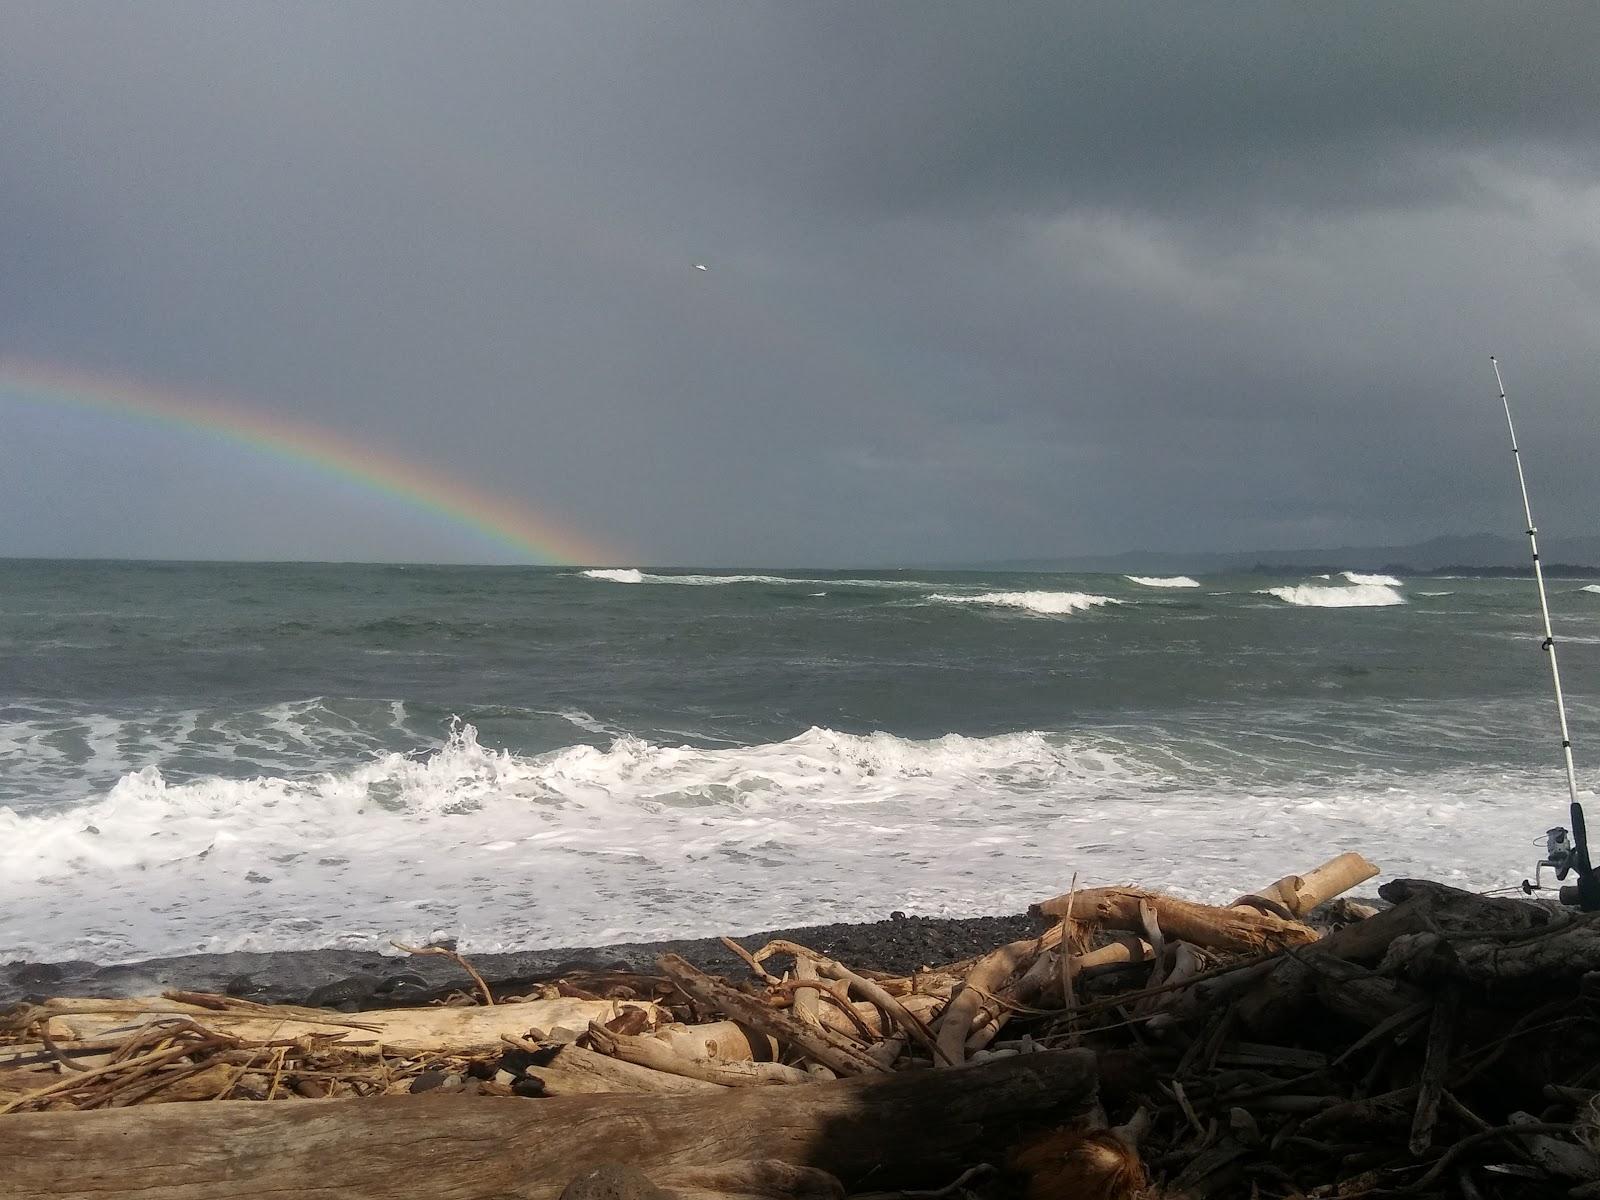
(1140, 1045)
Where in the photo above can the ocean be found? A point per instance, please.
(205, 757)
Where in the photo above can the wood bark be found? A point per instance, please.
(905, 1130)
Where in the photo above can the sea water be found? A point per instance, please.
(210, 756)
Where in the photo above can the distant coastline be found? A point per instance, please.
(1481, 554)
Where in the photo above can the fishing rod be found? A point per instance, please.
(1564, 852)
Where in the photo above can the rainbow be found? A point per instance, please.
(503, 521)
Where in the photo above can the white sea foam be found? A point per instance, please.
(1160, 581)
(617, 575)
(1358, 595)
(1436, 593)
(590, 844)
(632, 575)
(1590, 587)
(1377, 580)
(1050, 604)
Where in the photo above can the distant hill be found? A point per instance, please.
(1488, 552)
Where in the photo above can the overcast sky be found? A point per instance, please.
(986, 280)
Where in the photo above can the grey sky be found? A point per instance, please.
(986, 280)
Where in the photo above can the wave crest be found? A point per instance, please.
(1361, 595)
(1376, 580)
(1052, 604)
(1163, 581)
(633, 575)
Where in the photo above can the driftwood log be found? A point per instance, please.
(466, 1030)
(1241, 931)
(904, 1130)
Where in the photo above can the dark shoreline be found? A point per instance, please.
(368, 978)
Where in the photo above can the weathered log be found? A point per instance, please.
(831, 1016)
(402, 1031)
(1458, 911)
(869, 990)
(832, 1050)
(1391, 1110)
(647, 1052)
(1563, 954)
(569, 1070)
(807, 1001)
(904, 1130)
(1430, 1086)
(1297, 895)
(1240, 931)
(1281, 997)
(717, 1039)
(976, 999)
(763, 1179)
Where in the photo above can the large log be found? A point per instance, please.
(401, 1031)
(1297, 895)
(1243, 931)
(904, 1130)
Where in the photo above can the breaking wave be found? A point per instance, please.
(636, 839)
(1051, 604)
(633, 575)
(1160, 581)
(1376, 580)
(1360, 595)
(640, 835)
(1590, 587)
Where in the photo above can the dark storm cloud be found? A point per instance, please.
(987, 280)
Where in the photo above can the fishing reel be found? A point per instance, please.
(1566, 853)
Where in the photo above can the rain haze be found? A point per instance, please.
(980, 282)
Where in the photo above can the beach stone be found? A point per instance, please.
(399, 986)
(241, 985)
(427, 1081)
(613, 1181)
(346, 995)
(256, 877)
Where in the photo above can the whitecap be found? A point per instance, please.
(1163, 581)
(618, 575)
(1363, 595)
(1052, 604)
(1375, 580)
